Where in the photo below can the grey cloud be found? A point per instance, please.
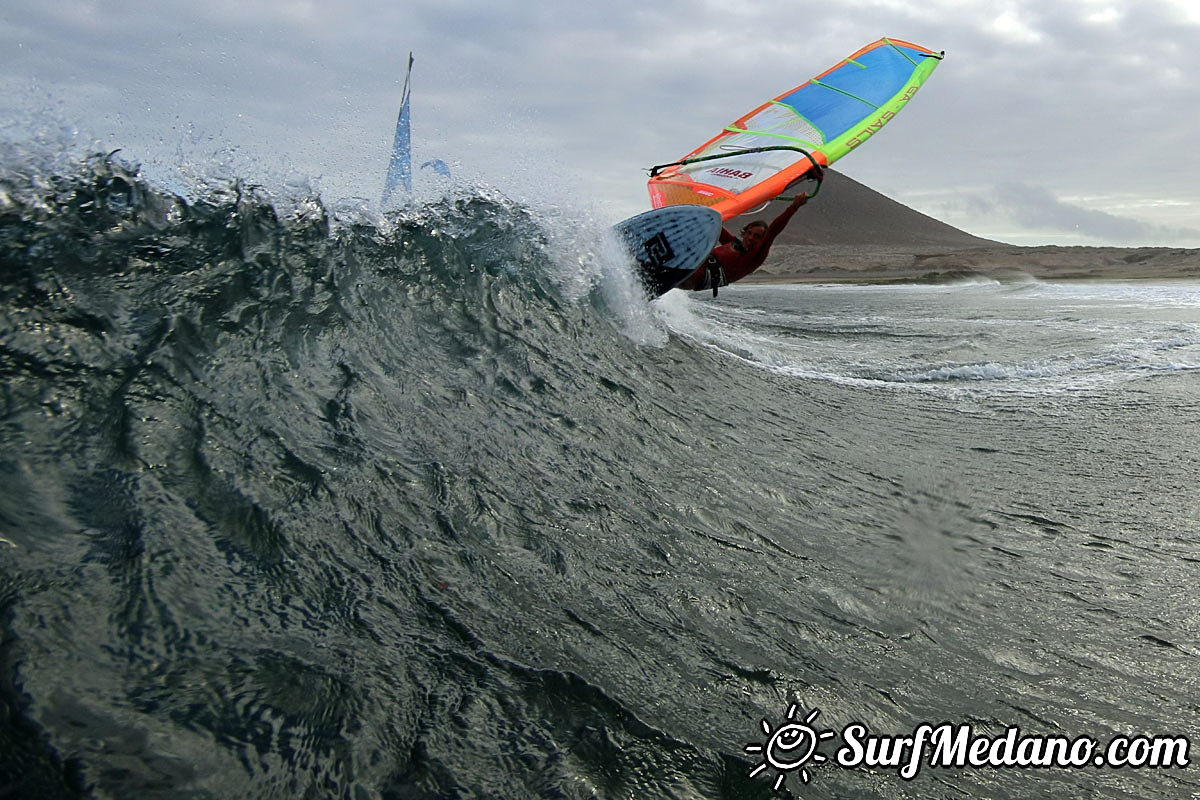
(1036, 208)
(508, 87)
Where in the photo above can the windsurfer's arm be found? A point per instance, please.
(776, 227)
(738, 263)
(748, 262)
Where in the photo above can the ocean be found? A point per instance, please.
(298, 503)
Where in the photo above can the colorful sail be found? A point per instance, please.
(777, 144)
(399, 172)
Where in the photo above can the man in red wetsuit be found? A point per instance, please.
(732, 259)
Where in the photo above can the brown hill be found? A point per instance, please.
(853, 233)
(848, 213)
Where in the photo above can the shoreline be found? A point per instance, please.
(878, 264)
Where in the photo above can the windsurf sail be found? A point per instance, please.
(400, 167)
(778, 144)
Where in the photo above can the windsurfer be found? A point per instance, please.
(734, 259)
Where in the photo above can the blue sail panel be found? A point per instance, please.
(399, 172)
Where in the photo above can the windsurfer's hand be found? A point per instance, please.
(800, 200)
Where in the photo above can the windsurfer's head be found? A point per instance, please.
(753, 234)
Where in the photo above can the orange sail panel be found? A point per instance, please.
(759, 156)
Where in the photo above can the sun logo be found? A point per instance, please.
(790, 747)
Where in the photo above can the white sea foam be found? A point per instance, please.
(984, 337)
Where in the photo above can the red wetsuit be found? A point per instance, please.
(735, 260)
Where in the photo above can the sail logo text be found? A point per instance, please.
(730, 172)
(883, 119)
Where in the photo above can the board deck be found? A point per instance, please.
(670, 243)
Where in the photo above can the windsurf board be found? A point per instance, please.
(670, 243)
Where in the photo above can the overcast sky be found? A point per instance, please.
(1049, 122)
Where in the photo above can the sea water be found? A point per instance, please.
(432, 506)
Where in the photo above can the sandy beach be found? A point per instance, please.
(843, 263)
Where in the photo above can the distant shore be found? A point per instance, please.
(886, 264)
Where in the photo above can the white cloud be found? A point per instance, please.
(1010, 27)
